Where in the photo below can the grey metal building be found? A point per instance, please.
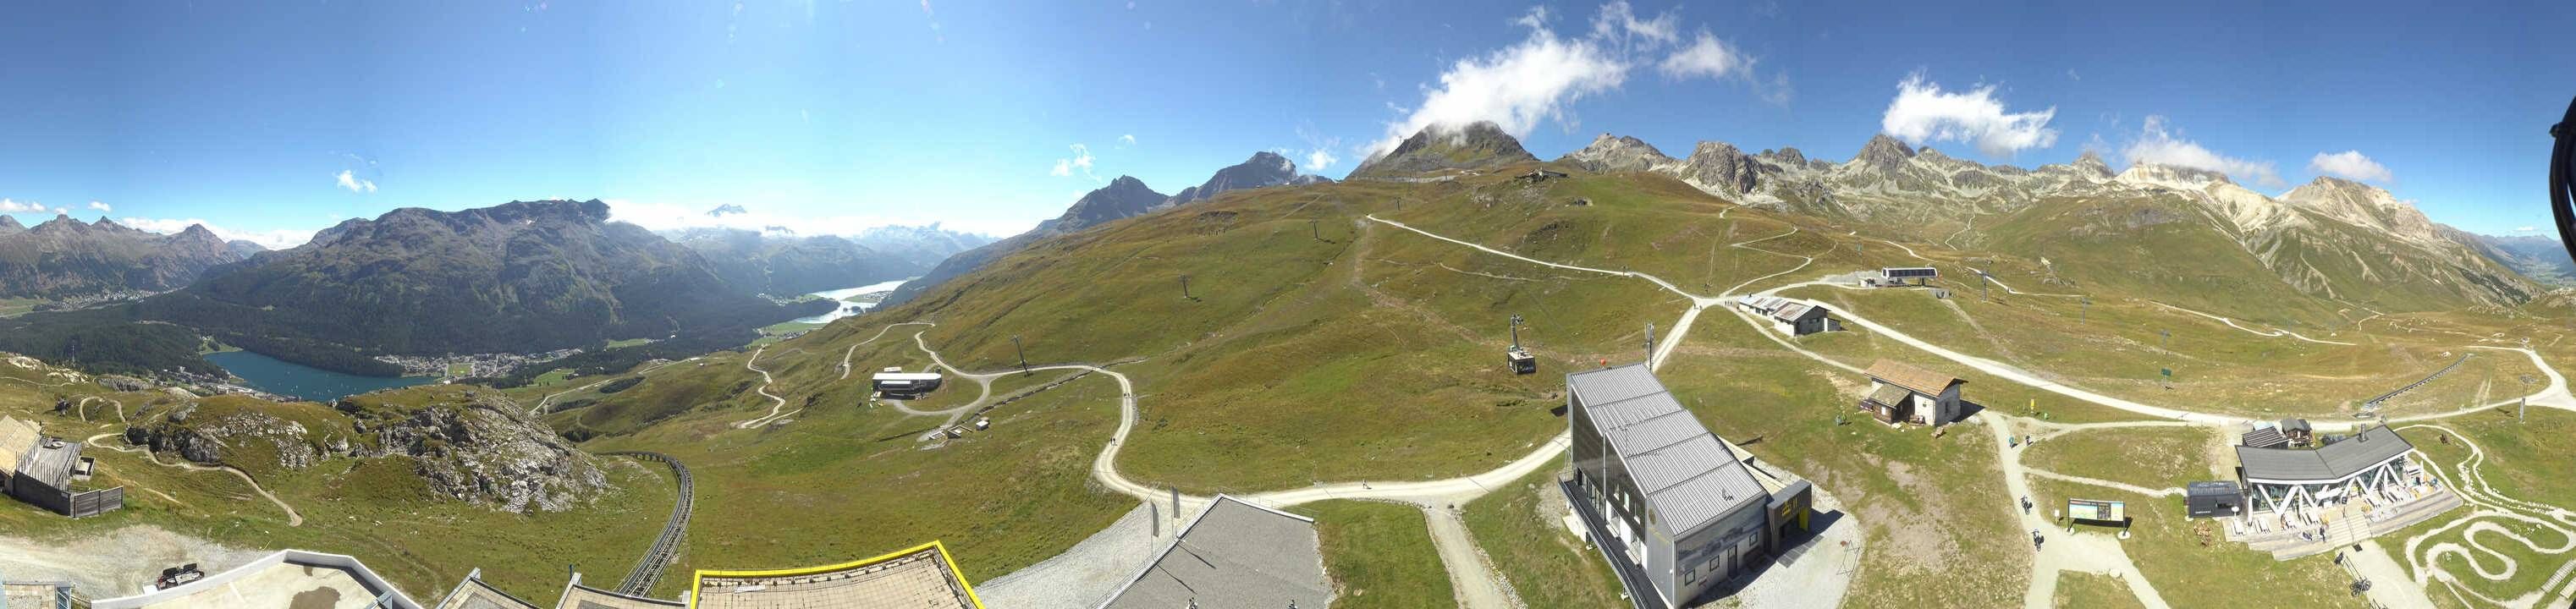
(1671, 506)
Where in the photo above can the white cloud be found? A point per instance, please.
(13, 206)
(100, 206)
(2526, 229)
(1320, 159)
(1706, 56)
(1618, 22)
(2350, 165)
(352, 183)
(667, 215)
(1516, 87)
(1080, 163)
(1922, 113)
(2158, 145)
(274, 239)
(1126, 140)
(1537, 79)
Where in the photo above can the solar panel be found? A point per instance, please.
(1912, 272)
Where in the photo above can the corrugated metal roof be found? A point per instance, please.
(1613, 384)
(1688, 476)
(2332, 462)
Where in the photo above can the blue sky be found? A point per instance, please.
(833, 116)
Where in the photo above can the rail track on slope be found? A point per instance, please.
(2383, 398)
(666, 548)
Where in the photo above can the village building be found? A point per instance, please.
(282, 579)
(894, 383)
(1675, 510)
(1233, 555)
(1901, 393)
(42, 470)
(919, 577)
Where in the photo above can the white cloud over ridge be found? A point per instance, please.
(1923, 113)
(1079, 163)
(351, 182)
(273, 239)
(2350, 165)
(103, 207)
(2156, 144)
(1534, 80)
(12, 206)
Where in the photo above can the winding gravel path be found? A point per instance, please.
(293, 519)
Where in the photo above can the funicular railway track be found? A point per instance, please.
(2385, 397)
(648, 571)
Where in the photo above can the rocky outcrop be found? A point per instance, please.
(464, 444)
(229, 437)
(481, 450)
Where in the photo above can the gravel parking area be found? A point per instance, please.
(1084, 576)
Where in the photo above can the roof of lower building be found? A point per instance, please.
(472, 593)
(1889, 394)
(577, 596)
(16, 437)
(2329, 463)
(920, 577)
(279, 579)
(50, 463)
(1911, 377)
(1233, 555)
(1689, 477)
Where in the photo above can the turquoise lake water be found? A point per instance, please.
(303, 382)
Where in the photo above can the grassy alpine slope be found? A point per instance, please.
(376, 509)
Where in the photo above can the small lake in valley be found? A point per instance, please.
(303, 382)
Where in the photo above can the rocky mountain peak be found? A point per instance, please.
(1265, 168)
(61, 224)
(1720, 167)
(9, 224)
(1787, 158)
(727, 209)
(1477, 144)
(1883, 153)
(1123, 197)
(1617, 153)
(2091, 163)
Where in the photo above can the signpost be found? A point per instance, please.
(2168, 372)
(2098, 511)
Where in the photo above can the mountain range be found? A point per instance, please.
(2331, 239)
(64, 257)
(1124, 197)
(520, 277)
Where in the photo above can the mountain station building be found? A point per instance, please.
(1675, 510)
(900, 385)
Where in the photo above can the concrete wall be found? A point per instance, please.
(299, 557)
